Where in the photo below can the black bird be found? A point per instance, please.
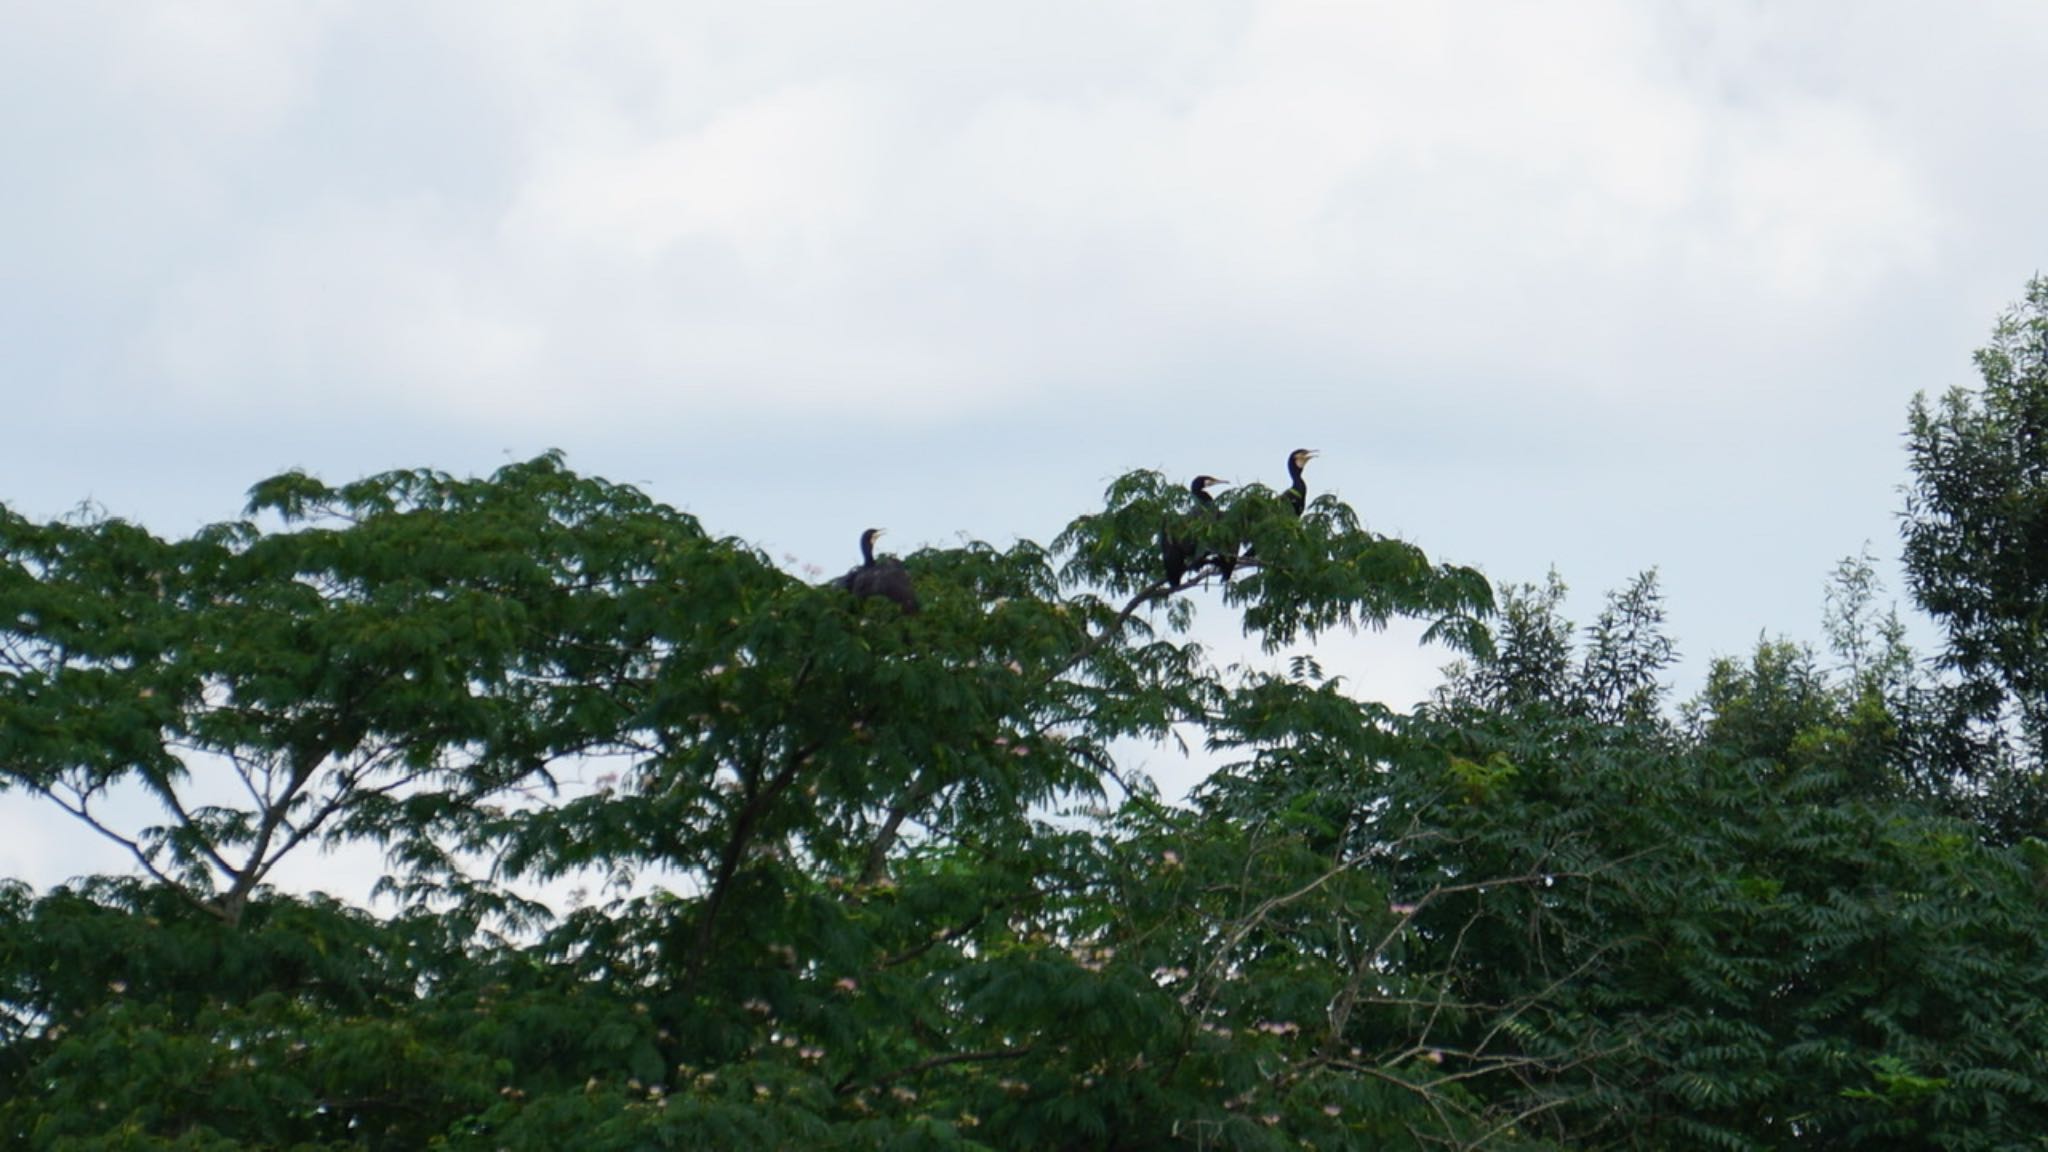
(1176, 551)
(886, 578)
(1297, 493)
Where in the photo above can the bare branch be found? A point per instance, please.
(82, 810)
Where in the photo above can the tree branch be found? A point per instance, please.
(750, 816)
(982, 1056)
(82, 810)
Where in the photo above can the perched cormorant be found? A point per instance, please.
(887, 577)
(1176, 551)
(1225, 562)
(1297, 492)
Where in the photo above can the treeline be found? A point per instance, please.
(884, 880)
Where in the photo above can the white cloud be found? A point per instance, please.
(780, 179)
(1371, 151)
(344, 306)
(1814, 201)
(207, 67)
(684, 211)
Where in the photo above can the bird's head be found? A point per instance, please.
(1300, 458)
(1202, 484)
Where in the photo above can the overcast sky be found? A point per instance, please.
(1597, 286)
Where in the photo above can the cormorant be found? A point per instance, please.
(1225, 562)
(1176, 551)
(1297, 493)
(887, 577)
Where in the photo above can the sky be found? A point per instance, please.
(1597, 286)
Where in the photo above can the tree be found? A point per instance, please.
(1530, 664)
(1738, 933)
(1976, 556)
(874, 880)
(838, 914)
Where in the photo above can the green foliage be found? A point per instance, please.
(1748, 937)
(1533, 666)
(838, 910)
(1976, 557)
(873, 881)
(1977, 513)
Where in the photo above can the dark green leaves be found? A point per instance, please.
(1976, 557)
(862, 930)
(856, 879)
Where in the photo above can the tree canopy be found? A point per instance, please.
(868, 879)
(1976, 557)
